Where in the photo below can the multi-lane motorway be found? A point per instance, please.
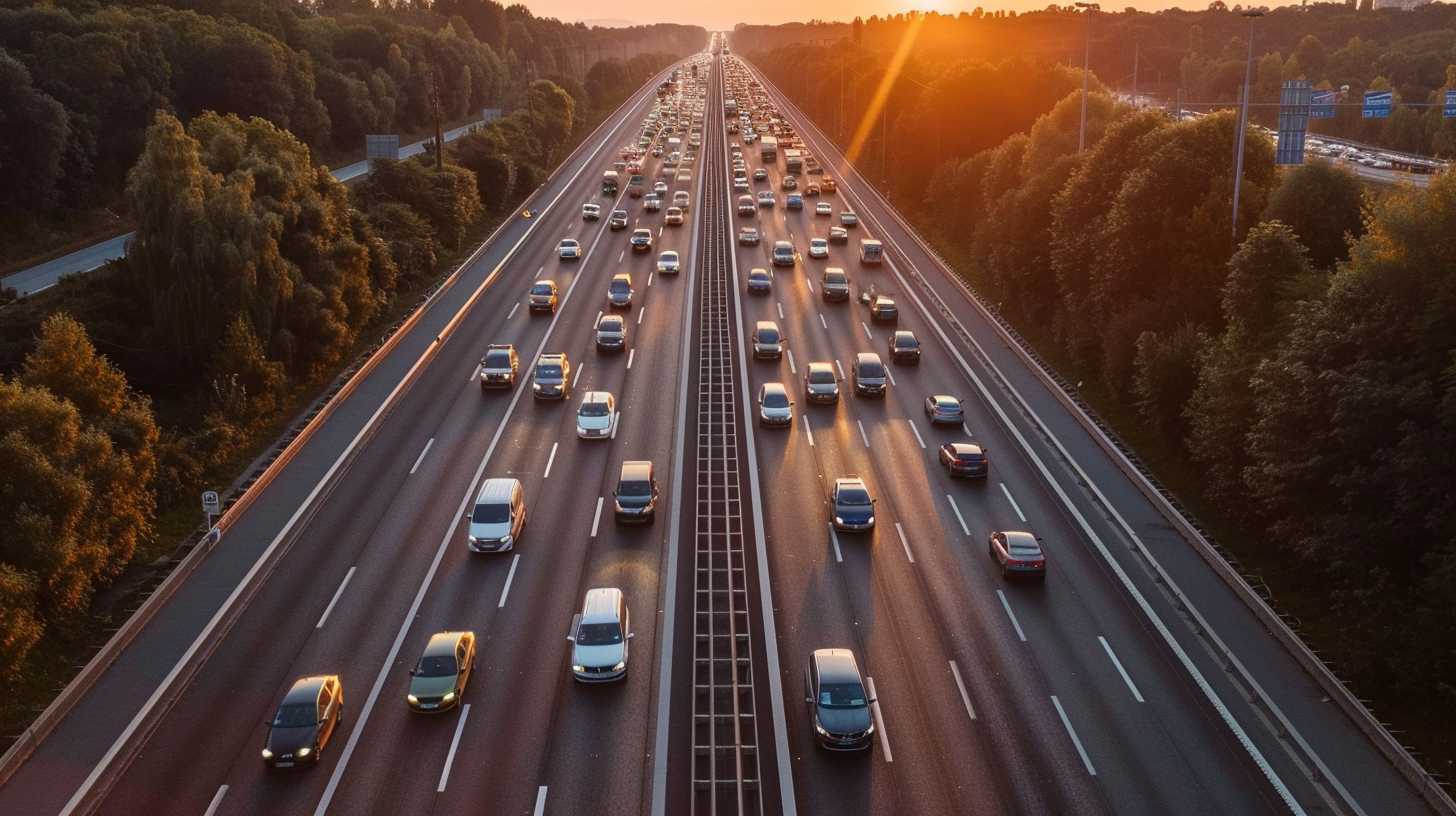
(1089, 693)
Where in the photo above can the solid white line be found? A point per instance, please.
(540, 802)
(416, 465)
(640, 312)
(808, 433)
(1061, 712)
(216, 801)
(904, 542)
(510, 576)
(822, 322)
(792, 368)
(957, 511)
(862, 435)
(838, 366)
(513, 310)
(879, 720)
(337, 593)
(1137, 695)
(834, 538)
(550, 460)
(916, 430)
(781, 310)
(577, 375)
(965, 698)
(1012, 615)
(597, 519)
(631, 354)
(1014, 505)
(454, 744)
(474, 373)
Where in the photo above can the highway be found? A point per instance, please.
(43, 276)
(1091, 693)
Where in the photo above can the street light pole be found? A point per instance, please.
(1086, 65)
(1243, 125)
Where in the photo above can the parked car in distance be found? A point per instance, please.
(438, 680)
(965, 459)
(1018, 553)
(305, 721)
(839, 706)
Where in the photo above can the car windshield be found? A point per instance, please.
(491, 514)
(871, 370)
(821, 377)
(548, 371)
(296, 715)
(1026, 549)
(669, 257)
(541, 289)
(905, 341)
(593, 409)
(437, 666)
(768, 336)
(498, 359)
(841, 695)
(635, 488)
(598, 634)
(854, 496)
(775, 399)
(618, 286)
(968, 456)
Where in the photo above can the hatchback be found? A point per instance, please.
(783, 253)
(543, 296)
(437, 682)
(821, 384)
(618, 220)
(818, 248)
(838, 703)
(854, 509)
(760, 281)
(591, 212)
(768, 342)
(668, 262)
(904, 347)
(611, 333)
(641, 240)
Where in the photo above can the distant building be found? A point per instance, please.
(1400, 4)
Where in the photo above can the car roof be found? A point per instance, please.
(601, 605)
(774, 388)
(964, 447)
(820, 367)
(867, 357)
(904, 334)
(596, 396)
(852, 480)
(545, 281)
(1020, 538)
(497, 490)
(622, 276)
(765, 324)
(943, 398)
(836, 666)
(610, 318)
(783, 245)
(442, 644)
(306, 689)
(759, 271)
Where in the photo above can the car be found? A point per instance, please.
(652, 203)
(788, 182)
(794, 201)
(438, 680)
(599, 636)
(596, 415)
(760, 174)
(660, 188)
(1018, 553)
(618, 220)
(746, 205)
(848, 219)
(569, 249)
(656, 152)
(591, 212)
(668, 262)
(634, 499)
(827, 185)
(834, 283)
(965, 459)
(768, 341)
(820, 383)
(783, 254)
(944, 409)
(818, 248)
(740, 185)
(305, 721)
(884, 310)
(611, 333)
(904, 347)
(619, 291)
(774, 406)
(760, 281)
(748, 236)
(681, 199)
(498, 516)
(870, 377)
(543, 296)
(823, 208)
(853, 507)
(499, 366)
(766, 198)
(552, 378)
(838, 235)
(812, 190)
(839, 707)
(674, 217)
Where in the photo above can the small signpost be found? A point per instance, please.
(211, 506)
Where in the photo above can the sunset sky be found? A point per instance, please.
(724, 15)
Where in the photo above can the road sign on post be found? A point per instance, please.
(1449, 111)
(211, 506)
(1323, 104)
(1294, 102)
(1377, 105)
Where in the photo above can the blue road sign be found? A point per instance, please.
(1323, 105)
(1377, 105)
(1449, 112)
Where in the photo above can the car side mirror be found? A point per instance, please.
(874, 700)
(631, 635)
(809, 700)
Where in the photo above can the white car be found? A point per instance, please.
(823, 208)
(660, 188)
(674, 217)
(740, 185)
(652, 203)
(681, 199)
(818, 247)
(569, 249)
(599, 635)
(596, 415)
(667, 262)
(766, 199)
(591, 212)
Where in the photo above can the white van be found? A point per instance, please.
(499, 516)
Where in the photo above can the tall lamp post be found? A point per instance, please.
(1086, 65)
(1243, 124)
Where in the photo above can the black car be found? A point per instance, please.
(854, 509)
(306, 719)
(635, 496)
(838, 703)
(965, 459)
(904, 347)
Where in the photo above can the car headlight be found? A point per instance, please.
(838, 520)
(303, 752)
(473, 539)
(578, 669)
(819, 729)
(267, 754)
(621, 666)
(413, 700)
(507, 540)
(448, 698)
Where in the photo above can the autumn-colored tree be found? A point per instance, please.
(1321, 202)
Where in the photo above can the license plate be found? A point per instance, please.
(429, 705)
(288, 764)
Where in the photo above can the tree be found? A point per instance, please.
(447, 199)
(1166, 375)
(37, 133)
(1321, 202)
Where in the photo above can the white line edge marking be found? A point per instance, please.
(577, 375)
(808, 432)
(781, 309)
(540, 808)
(631, 355)
(597, 519)
(960, 684)
(904, 542)
(1139, 599)
(834, 538)
(1014, 505)
(879, 720)
(862, 435)
(957, 511)
(1131, 686)
(510, 576)
(967, 429)
(916, 430)
(550, 460)
(338, 593)
(216, 801)
(1071, 732)
(454, 744)
(423, 451)
(650, 273)
(1005, 604)
(889, 372)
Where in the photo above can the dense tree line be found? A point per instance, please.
(1196, 56)
(1304, 371)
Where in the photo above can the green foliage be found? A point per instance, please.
(447, 198)
(1322, 203)
(37, 129)
(1166, 367)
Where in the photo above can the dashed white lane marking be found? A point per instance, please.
(1014, 505)
(597, 519)
(513, 310)
(834, 539)
(454, 745)
(879, 720)
(960, 684)
(337, 594)
(550, 460)
(630, 356)
(423, 451)
(1005, 604)
(216, 801)
(1137, 695)
(808, 432)
(862, 435)
(917, 433)
(510, 576)
(904, 542)
(957, 511)
(1071, 732)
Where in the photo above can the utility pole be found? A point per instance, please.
(1136, 47)
(1243, 125)
(1086, 67)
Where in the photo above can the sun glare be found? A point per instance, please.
(882, 93)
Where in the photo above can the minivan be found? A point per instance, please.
(599, 635)
(635, 496)
(499, 516)
(869, 374)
